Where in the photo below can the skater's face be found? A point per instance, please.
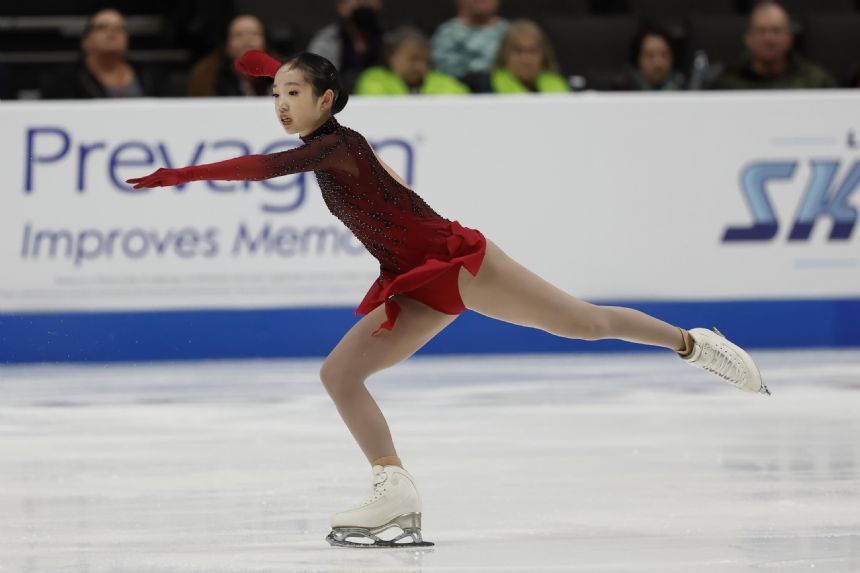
(655, 59)
(297, 108)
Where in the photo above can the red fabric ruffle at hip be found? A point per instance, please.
(433, 282)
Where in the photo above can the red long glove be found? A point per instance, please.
(317, 154)
(160, 178)
(257, 63)
(245, 168)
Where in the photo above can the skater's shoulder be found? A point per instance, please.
(352, 135)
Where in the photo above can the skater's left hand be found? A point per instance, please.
(160, 178)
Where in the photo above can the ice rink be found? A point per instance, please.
(599, 462)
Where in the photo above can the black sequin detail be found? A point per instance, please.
(356, 188)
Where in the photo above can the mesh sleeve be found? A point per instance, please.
(314, 156)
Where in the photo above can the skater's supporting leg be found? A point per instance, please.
(358, 355)
(506, 290)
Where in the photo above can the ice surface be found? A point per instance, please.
(612, 462)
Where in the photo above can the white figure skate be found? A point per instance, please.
(394, 503)
(729, 361)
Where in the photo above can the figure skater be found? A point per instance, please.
(431, 269)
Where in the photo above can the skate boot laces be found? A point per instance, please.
(380, 486)
(379, 476)
(722, 362)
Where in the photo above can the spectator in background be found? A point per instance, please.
(467, 44)
(215, 75)
(855, 78)
(7, 89)
(354, 42)
(104, 70)
(525, 63)
(406, 52)
(652, 63)
(770, 61)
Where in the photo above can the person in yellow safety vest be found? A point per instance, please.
(406, 52)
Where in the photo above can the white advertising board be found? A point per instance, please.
(625, 196)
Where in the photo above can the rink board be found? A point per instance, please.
(179, 335)
(734, 210)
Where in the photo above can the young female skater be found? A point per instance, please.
(431, 269)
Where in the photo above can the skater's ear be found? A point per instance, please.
(327, 101)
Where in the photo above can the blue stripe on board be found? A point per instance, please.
(186, 335)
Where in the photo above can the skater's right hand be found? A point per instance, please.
(159, 178)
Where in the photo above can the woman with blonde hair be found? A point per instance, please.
(525, 63)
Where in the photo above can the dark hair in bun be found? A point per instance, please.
(322, 75)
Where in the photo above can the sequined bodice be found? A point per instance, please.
(383, 214)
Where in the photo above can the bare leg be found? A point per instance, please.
(506, 290)
(358, 355)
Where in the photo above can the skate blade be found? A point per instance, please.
(409, 525)
(377, 544)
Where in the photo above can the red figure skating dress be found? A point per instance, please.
(419, 251)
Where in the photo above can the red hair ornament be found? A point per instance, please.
(257, 63)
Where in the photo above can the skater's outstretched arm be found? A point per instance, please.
(313, 156)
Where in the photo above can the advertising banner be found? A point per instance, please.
(669, 197)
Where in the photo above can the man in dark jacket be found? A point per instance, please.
(770, 61)
(104, 70)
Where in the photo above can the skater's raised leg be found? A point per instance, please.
(506, 290)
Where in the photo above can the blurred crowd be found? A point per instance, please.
(477, 50)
